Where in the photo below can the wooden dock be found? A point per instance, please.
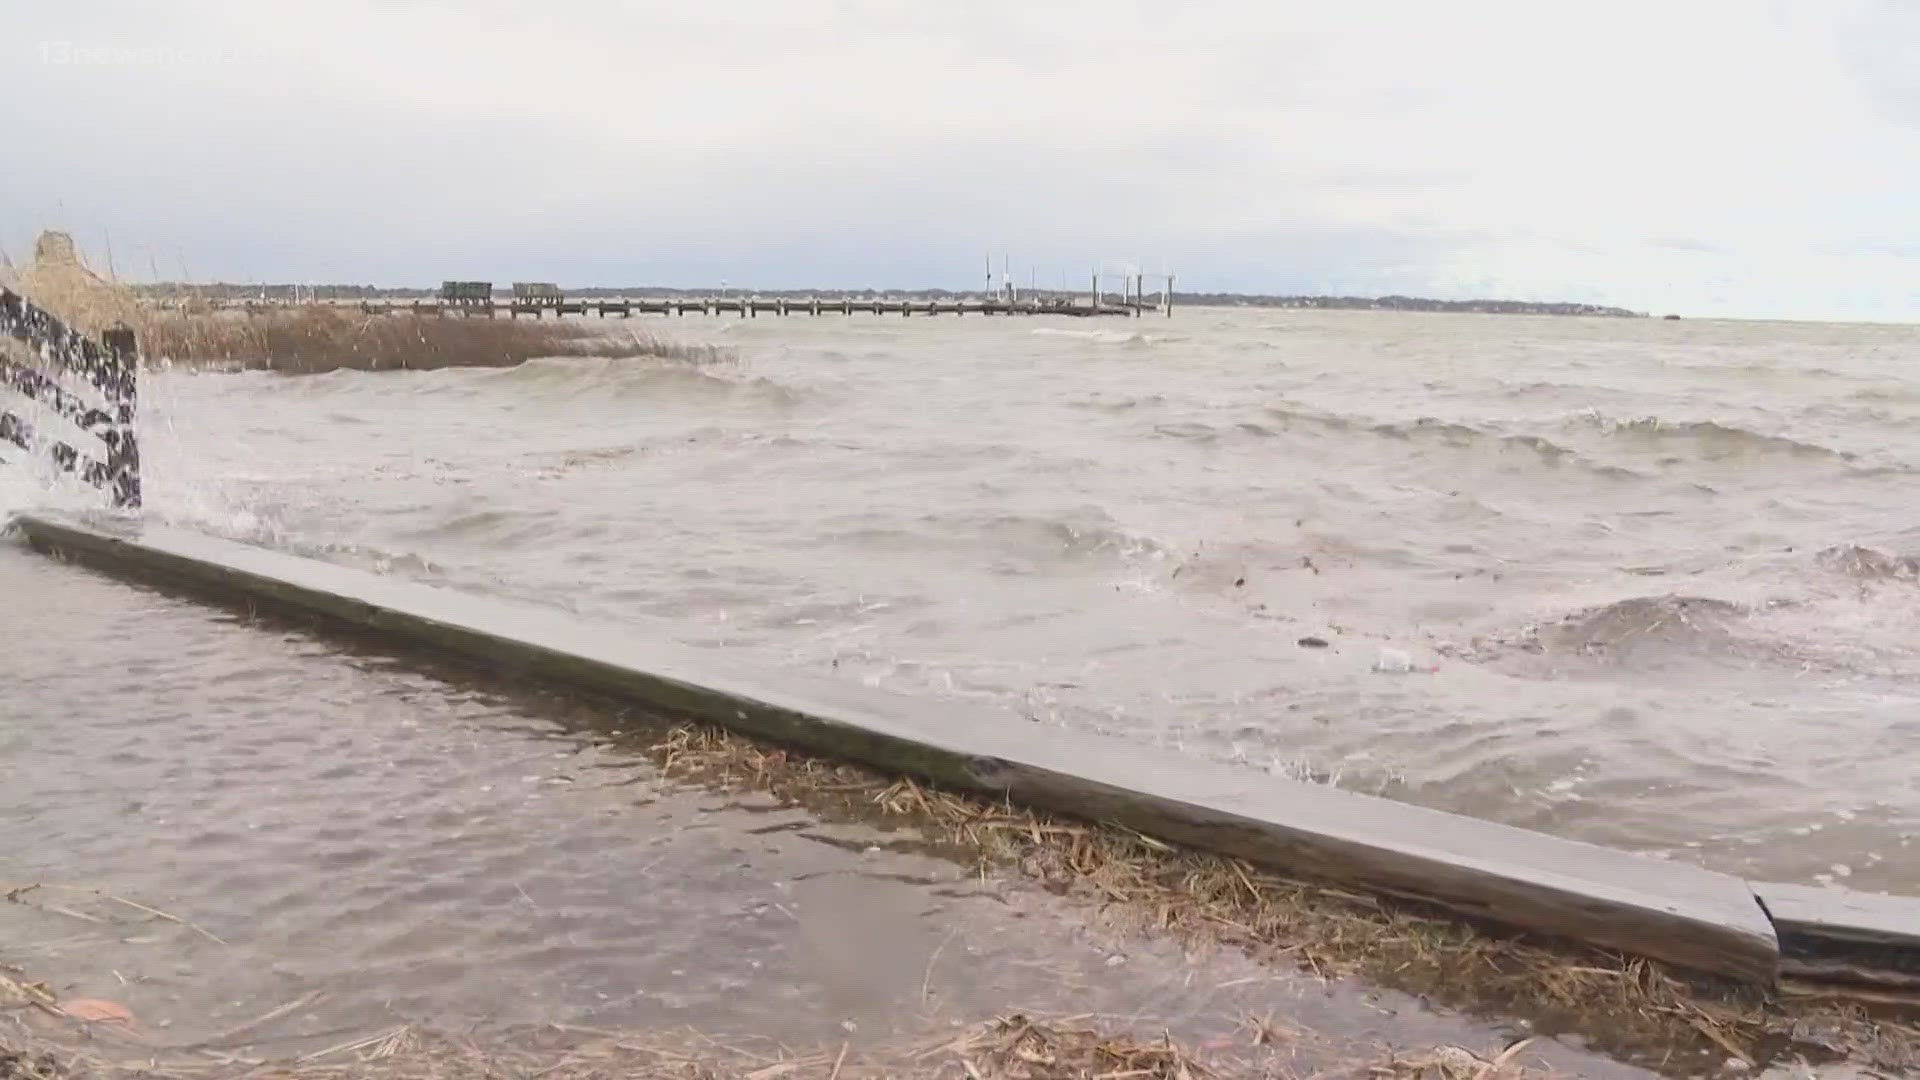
(751, 306)
(536, 299)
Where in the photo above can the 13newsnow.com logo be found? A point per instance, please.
(81, 54)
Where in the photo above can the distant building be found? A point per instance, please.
(466, 292)
(536, 293)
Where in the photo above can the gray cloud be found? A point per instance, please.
(1514, 147)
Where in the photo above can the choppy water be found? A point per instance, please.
(359, 844)
(1653, 584)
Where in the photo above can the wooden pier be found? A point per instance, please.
(536, 299)
(751, 306)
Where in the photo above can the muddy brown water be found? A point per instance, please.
(1640, 582)
(384, 847)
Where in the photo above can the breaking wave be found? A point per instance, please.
(1119, 404)
(1023, 539)
(1709, 439)
(1694, 641)
(1571, 444)
(633, 379)
(583, 380)
(1681, 637)
(1692, 622)
(1867, 564)
(1429, 431)
(1103, 337)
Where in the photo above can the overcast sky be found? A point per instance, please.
(1742, 157)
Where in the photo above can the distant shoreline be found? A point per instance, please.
(283, 293)
(1406, 303)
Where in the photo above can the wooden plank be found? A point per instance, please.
(40, 387)
(53, 342)
(1842, 914)
(18, 432)
(1845, 936)
(1669, 911)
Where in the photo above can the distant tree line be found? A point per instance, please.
(1404, 303)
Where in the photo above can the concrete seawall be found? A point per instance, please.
(1681, 914)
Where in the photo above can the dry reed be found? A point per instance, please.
(317, 339)
(304, 340)
(1014, 1047)
(1626, 1004)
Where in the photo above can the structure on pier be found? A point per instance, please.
(467, 294)
(537, 294)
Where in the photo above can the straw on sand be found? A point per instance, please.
(1623, 1003)
(1629, 1006)
(308, 340)
(1014, 1047)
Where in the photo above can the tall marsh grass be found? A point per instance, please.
(300, 340)
(317, 339)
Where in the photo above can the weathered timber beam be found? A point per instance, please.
(18, 432)
(40, 387)
(62, 346)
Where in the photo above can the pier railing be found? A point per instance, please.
(92, 385)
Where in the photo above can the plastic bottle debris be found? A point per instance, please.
(1392, 662)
